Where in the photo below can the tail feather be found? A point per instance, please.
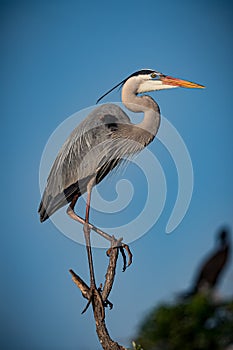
(42, 211)
(49, 204)
(45, 206)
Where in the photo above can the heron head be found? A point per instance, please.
(151, 80)
(146, 80)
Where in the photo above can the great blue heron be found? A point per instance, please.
(100, 142)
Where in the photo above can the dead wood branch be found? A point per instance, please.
(99, 298)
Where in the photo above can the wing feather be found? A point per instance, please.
(90, 150)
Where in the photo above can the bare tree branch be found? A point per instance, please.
(100, 297)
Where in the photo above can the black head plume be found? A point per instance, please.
(139, 72)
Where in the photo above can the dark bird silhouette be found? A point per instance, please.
(211, 269)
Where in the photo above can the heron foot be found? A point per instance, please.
(122, 247)
(106, 302)
(94, 294)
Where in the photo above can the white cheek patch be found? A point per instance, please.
(153, 85)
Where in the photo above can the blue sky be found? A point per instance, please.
(57, 58)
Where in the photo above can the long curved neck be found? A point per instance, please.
(146, 104)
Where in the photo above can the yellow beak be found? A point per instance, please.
(179, 82)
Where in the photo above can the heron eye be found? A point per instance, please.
(153, 75)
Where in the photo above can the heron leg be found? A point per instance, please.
(88, 226)
(87, 230)
(122, 246)
(94, 292)
(70, 211)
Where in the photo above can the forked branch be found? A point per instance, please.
(99, 298)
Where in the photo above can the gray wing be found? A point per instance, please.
(92, 149)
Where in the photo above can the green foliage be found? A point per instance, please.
(136, 346)
(198, 324)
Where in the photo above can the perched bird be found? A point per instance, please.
(100, 142)
(211, 269)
